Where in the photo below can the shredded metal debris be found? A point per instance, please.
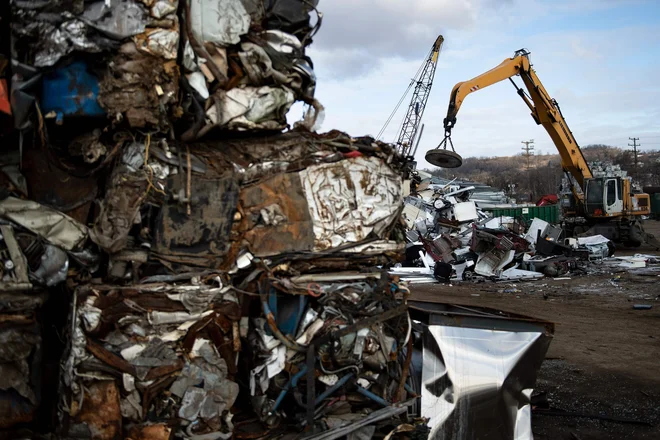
(178, 262)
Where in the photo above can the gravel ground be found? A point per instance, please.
(605, 357)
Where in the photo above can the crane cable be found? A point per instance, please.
(413, 81)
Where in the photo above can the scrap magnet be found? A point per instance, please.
(444, 158)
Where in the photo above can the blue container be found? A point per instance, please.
(71, 91)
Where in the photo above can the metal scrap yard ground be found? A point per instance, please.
(603, 360)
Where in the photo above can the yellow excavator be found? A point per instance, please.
(601, 205)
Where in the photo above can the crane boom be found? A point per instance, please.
(410, 126)
(545, 110)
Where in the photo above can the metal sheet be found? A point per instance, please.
(219, 21)
(464, 212)
(205, 232)
(59, 229)
(250, 108)
(351, 199)
(277, 216)
(479, 369)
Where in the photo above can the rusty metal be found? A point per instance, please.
(100, 412)
(282, 194)
(405, 371)
(236, 337)
(120, 207)
(158, 431)
(16, 319)
(152, 391)
(164, 370)
(188, 181)
(54, 186)
(191, 335)
(206, 232)
(109, 358)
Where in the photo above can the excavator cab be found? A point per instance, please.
(603, 196)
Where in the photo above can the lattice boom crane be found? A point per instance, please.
(422, 82)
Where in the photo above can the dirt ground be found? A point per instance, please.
(604, 360)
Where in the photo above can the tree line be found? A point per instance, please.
(544, 176)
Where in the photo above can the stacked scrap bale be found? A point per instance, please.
(218, 283)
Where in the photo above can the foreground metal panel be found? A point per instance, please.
(479, 368)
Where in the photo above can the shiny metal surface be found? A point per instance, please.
(479, 370)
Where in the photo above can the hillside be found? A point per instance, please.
(544, 176)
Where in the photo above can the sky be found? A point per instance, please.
(600, 59)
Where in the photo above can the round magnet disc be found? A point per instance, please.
(444, 158)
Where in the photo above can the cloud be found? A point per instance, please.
(357, 35)
(579, 49)
(604, 76)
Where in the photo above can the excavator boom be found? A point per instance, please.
(602, 199)
(544, 109)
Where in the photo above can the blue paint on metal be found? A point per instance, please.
(71, 91)
(340, 383)
(292, 383)
(301, 310)
(366, 393)
(287, 310)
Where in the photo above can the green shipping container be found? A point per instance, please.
(655, 205)
(549, 213)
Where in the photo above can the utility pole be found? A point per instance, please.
(528, 149)
(635, 145)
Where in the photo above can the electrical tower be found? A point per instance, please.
(635, 145)
(528, 150)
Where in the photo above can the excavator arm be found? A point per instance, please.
(602, 198)
(544, 109)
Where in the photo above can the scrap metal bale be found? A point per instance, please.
(151, 350)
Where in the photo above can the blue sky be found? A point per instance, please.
(599, 58)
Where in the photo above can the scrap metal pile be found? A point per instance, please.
(215, 272)
(174, 265)
(450, 238)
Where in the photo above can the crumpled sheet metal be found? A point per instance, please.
(221, 22)
(352, 326)
(119, 209)
(322, 207)
(478, 374)
(167, 348)
(139, 88)
(57, 32)
(351, 199)
(139, 76)
(117, 19)
(20, 354)
(59, 229)
(162, 43)
(250, 108)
